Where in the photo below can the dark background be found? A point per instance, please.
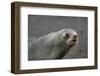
(39, 25)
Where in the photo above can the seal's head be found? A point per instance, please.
(69, 36)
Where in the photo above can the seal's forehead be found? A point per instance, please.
(70, 31)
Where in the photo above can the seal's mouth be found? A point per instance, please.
(74, 40)
(71, 42)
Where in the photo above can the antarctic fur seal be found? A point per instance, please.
(52, 46)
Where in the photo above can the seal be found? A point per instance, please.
(53, 46)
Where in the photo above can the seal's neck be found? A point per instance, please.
(64, 51)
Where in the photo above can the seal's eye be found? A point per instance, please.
(67, 35)
(75, 36)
